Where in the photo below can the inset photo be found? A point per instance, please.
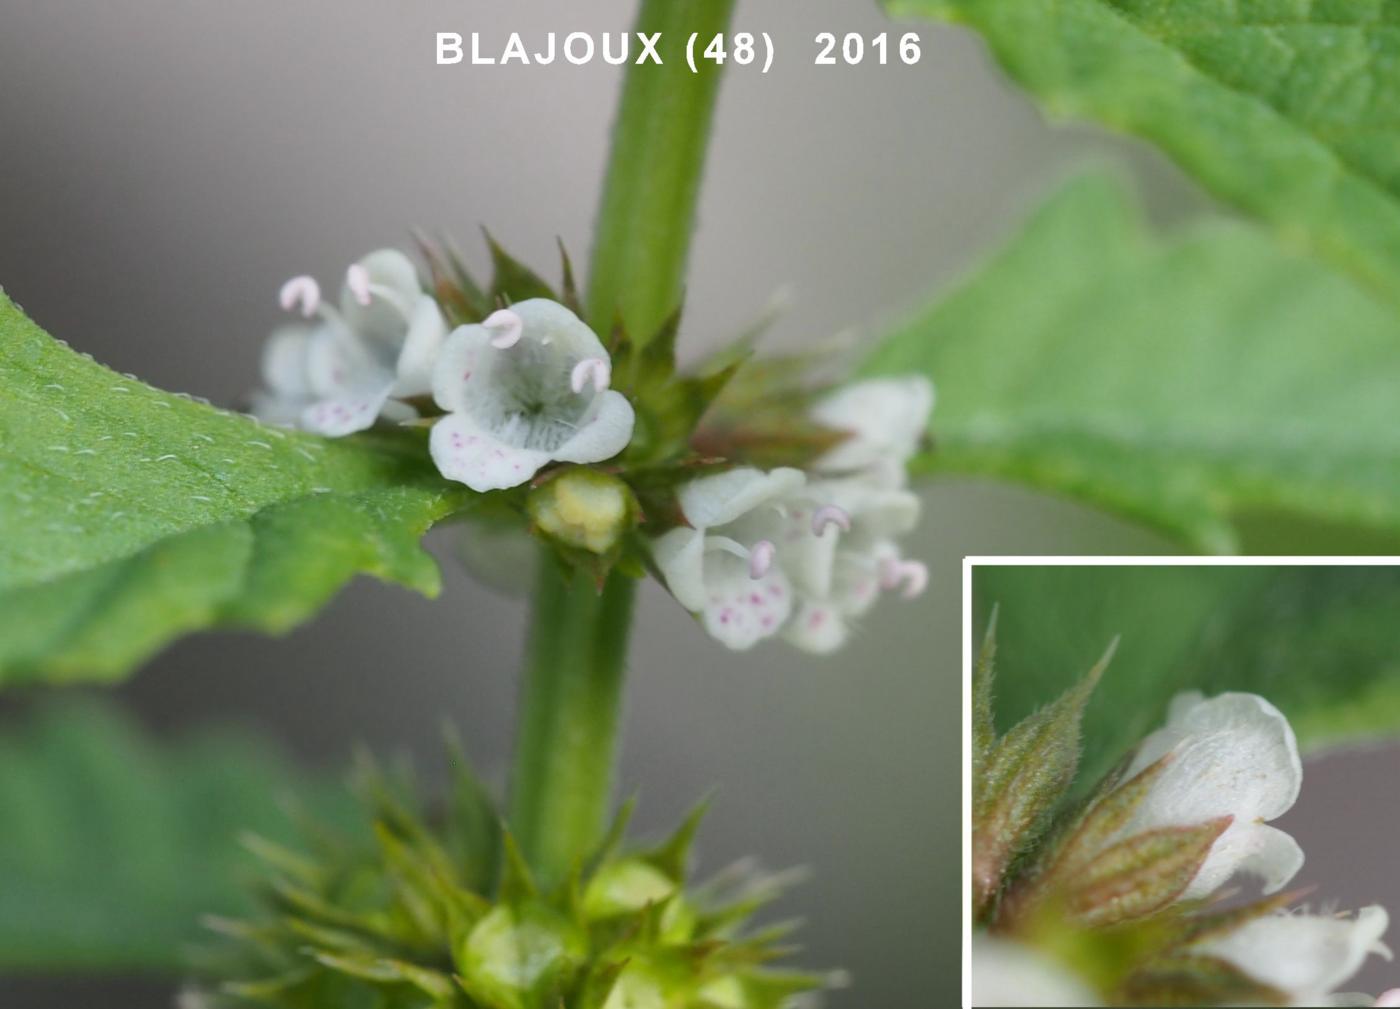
(1180, 781)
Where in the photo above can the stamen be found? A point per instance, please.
(510, 327)
(913, 575)
(594, 368)
(303, 290)
(761, 558)
(357, 279)
(830, 515)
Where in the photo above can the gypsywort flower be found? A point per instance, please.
(1305, 956)
(339, 373)
(848, 556)
(725, 565)
(1231, 755)
(527, 386)
(770, 552)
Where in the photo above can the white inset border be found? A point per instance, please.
(1083, 561)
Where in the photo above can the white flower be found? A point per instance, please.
(848, 555)
(1005, 973)
(885, 419)
(722, 566)
(1305, 956)
(338, 375)
(527, 387)
(1235, 755)
(771, 552)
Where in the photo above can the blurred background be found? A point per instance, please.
(166, 165)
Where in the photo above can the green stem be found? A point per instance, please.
(569, 715)
(658, 154)
(570, 705)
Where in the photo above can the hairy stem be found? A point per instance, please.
(658, 154)
(572, 697)
(569, 716)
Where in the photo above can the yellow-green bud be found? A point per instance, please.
(583, 508)
(625, 887)
(515, 953)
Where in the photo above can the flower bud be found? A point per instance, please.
(625, 887)
(583, 508)
(516, 955)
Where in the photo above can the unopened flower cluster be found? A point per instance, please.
(1120, 902)
(525, 393)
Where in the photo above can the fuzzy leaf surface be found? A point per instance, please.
(112, 848)
(130, 516)
(1320, 643)
(1190, 381)
(1286, 108)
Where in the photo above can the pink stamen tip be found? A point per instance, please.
(761, 558)
(830, 515)
(1389, 998)
(914, 575)
(357, 279)
(509, 328)
(301, 290)
(594, 368)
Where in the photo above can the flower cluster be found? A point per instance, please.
(519, 393)
(524, 387)
(803, 553)
(1118, 902)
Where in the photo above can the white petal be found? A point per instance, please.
(355, 410)
(886, 417)
(807, 557)
(277, 410)
(1005, 973)
(427, 330)
(817, 627)
(680, 556)
(1235, 755)
(604, 434)
(551, 323)
(471, 455)
(722, 498)
(740, 610)
(1306, 956)
(392, 272)
(457, 361)
(856, 578)
(284, 361)
(1253, 848)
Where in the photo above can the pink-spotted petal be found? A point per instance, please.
(817, 627)
(469, 454)
(346, 414)
(740, 611)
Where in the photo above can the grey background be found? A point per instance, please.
(165, 165)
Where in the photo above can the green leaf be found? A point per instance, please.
(1321, 643)
(1283, 107)
(129, 516)
(1185, 381)
(111, 848)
